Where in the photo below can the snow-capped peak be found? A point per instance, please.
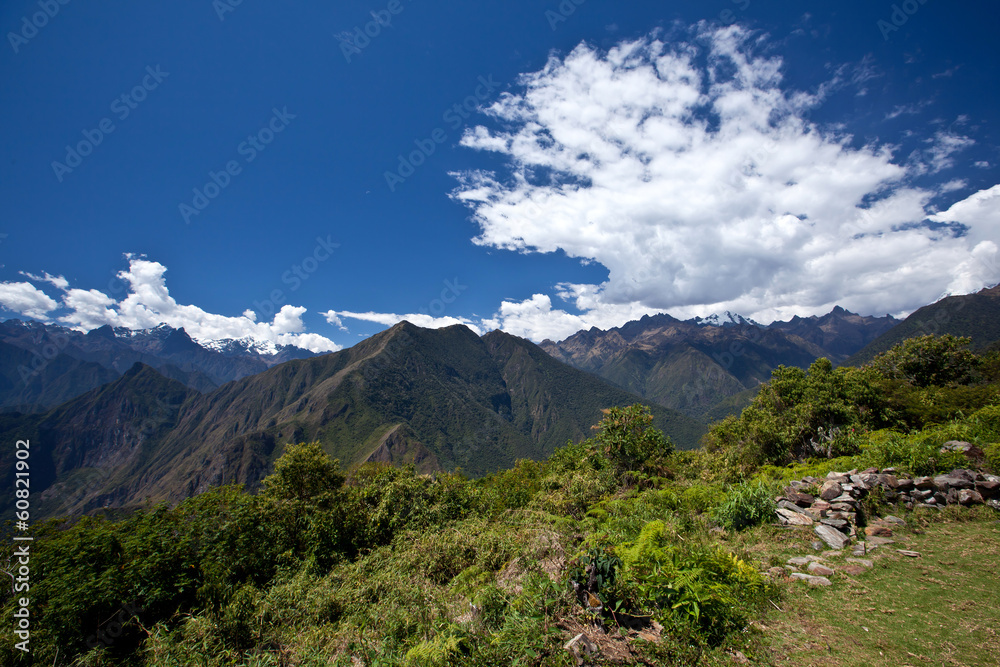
(727, 319)
(241, 346)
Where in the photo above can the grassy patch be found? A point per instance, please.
(939, 609)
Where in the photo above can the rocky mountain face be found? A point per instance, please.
(695, 365)
(974, 315)
(42, 366)
(439, 399)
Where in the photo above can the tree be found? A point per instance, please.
(305, 473)
(929, 361)
(626, 436)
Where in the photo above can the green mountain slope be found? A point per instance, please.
(974, 315)
(440, 399)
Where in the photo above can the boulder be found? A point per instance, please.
(802, 561)
(830, 490)
(789, 518)
(967, 497)
(819, 569)
(888, 481)
(944, 482)
(833, 537)
(791, 506)
(908, 554)
(904, 485)
(812, 580)
(878, 530)
(894, 519)
(800, 499)
(924, 483)
(988, 489)
(839, 524)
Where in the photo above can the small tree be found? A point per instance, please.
(930, 361)
(305, 473)
(626, 436)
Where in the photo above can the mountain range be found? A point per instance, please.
(44, 365)
(117, 417)
(439, 399)
(695, 365)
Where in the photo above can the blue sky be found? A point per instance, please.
(576, 164)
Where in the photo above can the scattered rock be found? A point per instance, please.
(878, 530)
(967, 497)
(830, 490)
(819, 569)
(817, 545)
(801, 561)
(879, 540)
(909, 554)
(790, 518)
(776, 572)
(988, 489)
(812, 580)
(853, 570)
(861, 561)
(833, 537)
(894, 520)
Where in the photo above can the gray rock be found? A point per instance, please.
(830, 490)
(988, 489)
(833, 537)
(789, 518)
(812, 580)
(994, 503)
(908, 554)
(894, 519)
(924, 483)
(802, 561)
(819, 569)
(967, 497)
(791, 506)
(945, 482)
(904, 485)
(839, 524)
(860, 561)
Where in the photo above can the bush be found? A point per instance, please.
(747, 505)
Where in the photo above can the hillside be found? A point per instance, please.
(974, 315)
(440, 399)
(693, 366)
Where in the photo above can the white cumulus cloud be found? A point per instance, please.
(148, 304)
(389, 319)
(697, 180)
(26, 299)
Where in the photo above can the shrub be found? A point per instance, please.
(747, 505)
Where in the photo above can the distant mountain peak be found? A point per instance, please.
(726, 319)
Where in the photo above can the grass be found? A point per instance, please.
(939, 609)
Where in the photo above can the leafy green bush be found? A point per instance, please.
(930, 361)
(747, 505)
(708, 587)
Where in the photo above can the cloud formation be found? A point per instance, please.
(149, 304)
(389, 319)
(699, 182)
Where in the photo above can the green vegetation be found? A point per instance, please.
(656, 554)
